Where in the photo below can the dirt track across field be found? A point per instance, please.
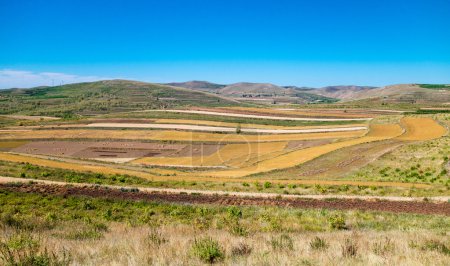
(398, 204)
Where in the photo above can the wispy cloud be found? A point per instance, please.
(25, 79)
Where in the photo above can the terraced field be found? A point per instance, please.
(189, 155)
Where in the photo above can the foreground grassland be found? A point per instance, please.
(83, 230)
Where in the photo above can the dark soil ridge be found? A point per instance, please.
(416, 207)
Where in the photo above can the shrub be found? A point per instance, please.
(337, 222)
(382, 248)
(267, 184)
(155, 239)
(24, 249)
(234, 212)
(283, 242)
(318, 244)
(238, 129)
(435, 245)
(238, 230)
(349, 248)
(208, 250)
(241, 250)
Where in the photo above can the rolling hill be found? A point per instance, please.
(102, 97)
(405, 93)
(197, 85)
(343, 92)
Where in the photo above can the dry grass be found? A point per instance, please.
(172, 245)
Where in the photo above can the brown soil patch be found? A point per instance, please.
(340, 204)
(114, 149)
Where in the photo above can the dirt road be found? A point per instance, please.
(223, 129)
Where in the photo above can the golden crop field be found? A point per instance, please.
(303, 112)
(421, 128)
(170, 135)
(258, 126)
(377, 132)
(231, 155)
(146, 175)
(11, 144)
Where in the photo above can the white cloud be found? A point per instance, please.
(26, 79)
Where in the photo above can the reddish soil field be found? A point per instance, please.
(114, 149)
(340, 204)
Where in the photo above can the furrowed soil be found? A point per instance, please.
(339, 204)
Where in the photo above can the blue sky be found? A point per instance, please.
(304, 43)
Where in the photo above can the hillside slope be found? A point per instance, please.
(242, 88)
(406, 93)
(102, 97)
(343, 92)
(197, 85)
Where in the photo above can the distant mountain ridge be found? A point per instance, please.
(197, 84)
(343, 92)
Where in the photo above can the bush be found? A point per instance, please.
(24, 249)
(318, 244)
(382, 248)
(267, 184)
(435, 245)
(337, 222)
(283, 242)
(155, 239)
(208, 250)
(349, 248)
(241, 250)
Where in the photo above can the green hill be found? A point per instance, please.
(102, 97)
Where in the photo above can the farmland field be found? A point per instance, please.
(308, 167)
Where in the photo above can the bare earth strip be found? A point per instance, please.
(4, 179)
(258, 116)
(223, 129)
(113, 170)
(114, 192)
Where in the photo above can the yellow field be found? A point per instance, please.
(303, 112)
(112, 170)
(378, 132)
(421, 128)
(227, 124)
(168, 135)
(11, 144)
(234, 155)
